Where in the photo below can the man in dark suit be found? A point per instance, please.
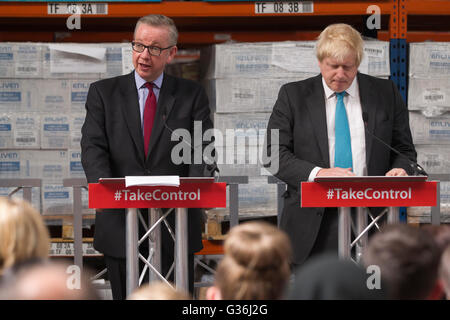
(311, 145)
(127, 132)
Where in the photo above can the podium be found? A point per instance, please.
(111, 193)
(364, 192)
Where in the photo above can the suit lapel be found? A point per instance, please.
(131, 112)
(165, 104)
(368, 100)
(316, 105)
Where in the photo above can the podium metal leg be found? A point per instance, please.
(155, 243)
(361, 224)
(181, 249)
(132, 250)
(393, 215)
(344, 231)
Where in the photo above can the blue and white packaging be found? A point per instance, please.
(18, 95)
(6, 131)
(20, 60)
(56, 199)
(26, 131)
(55, 132)
(76, 122)
(430, 60)
(75, 166)
(431, 96)
(78, 95)
(53, 164)
(430, 130)
(55, 96)
(16, 164)
(113, 59)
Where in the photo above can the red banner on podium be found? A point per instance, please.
(365, 194)
(187, 195)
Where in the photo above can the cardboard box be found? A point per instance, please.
(20, 60)
(281, 59)
(242, 95)
(55, 131)
(431, 96)
(19, 95)
(429, 60)
(434, 158)
(435, 130)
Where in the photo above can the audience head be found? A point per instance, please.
(256, 263)
(51, 281)
(158, 291)
(441, 235)
(326, 277)
(23, 235)
(444, 271)
(408, 258)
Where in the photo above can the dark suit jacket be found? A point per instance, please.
(112, 145)
(299, 113)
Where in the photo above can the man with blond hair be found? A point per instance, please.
(321, 123)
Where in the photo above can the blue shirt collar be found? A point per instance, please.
(140, 81)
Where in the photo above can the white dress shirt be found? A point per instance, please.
(357, 134)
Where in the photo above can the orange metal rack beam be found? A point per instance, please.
(427, 7)
(196, 9)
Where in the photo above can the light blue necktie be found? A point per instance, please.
(343, 147)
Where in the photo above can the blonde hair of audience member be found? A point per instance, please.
(338, 41)
(158, 291)
(256, 264)
(444, 271)
(23, 235)
(52, 281)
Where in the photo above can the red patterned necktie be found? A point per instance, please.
(149, 116)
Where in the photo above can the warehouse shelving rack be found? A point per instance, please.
(203, 23)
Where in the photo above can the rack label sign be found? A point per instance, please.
(77, 8)
(284, 7)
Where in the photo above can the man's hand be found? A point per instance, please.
(335, 172)
(396, 172)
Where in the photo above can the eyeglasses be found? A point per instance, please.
(154, 51)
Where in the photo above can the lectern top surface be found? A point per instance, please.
(371, 179)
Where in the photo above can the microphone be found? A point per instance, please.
(211, 169)
(418, 170)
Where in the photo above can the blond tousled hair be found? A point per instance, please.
(23, 234)
(338, 41)
(256, 263)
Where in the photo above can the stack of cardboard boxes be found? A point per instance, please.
(429, 105)
(242, 82)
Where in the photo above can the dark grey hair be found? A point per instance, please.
(158, 20)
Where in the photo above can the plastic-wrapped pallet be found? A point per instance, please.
(240, 142)
(246, 95)
(281, 59)
(430, 130)
(19, 95)
(431, 96)
(20, 60)
(429, 60)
